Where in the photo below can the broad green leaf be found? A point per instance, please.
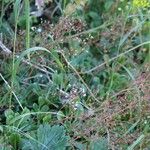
(47, 138)
(100, 144)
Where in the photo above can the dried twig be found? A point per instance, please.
(4, 48)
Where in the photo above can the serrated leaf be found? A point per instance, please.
(108, 4)
(48, 138)
(100, 144)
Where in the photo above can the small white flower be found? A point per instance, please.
(119, 9)
(39, 30)
(145, 122)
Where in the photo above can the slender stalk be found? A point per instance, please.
(16, 11)
(2, 12)
(27, 15)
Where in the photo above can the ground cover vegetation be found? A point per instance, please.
(74, 75)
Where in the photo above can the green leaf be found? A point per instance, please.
(2, 147)
(108, 4)
(100, 144)
(136, 142)
(14, 140)
(79, 146)
(48, 138)
(47, 118)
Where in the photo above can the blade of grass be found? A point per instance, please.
(136, 87)
(26, 52)
(27, 15)
(131, 128)
(2, 12)
(9, 87)
(137, 142)
(35, 49)
(114, 58)
(16, 10)
(125, 37)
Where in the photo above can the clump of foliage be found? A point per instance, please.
(142, 3)
(74, 74)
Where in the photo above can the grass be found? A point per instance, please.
(27, 12)
(86, 72)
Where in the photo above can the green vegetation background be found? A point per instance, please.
(74, 74)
